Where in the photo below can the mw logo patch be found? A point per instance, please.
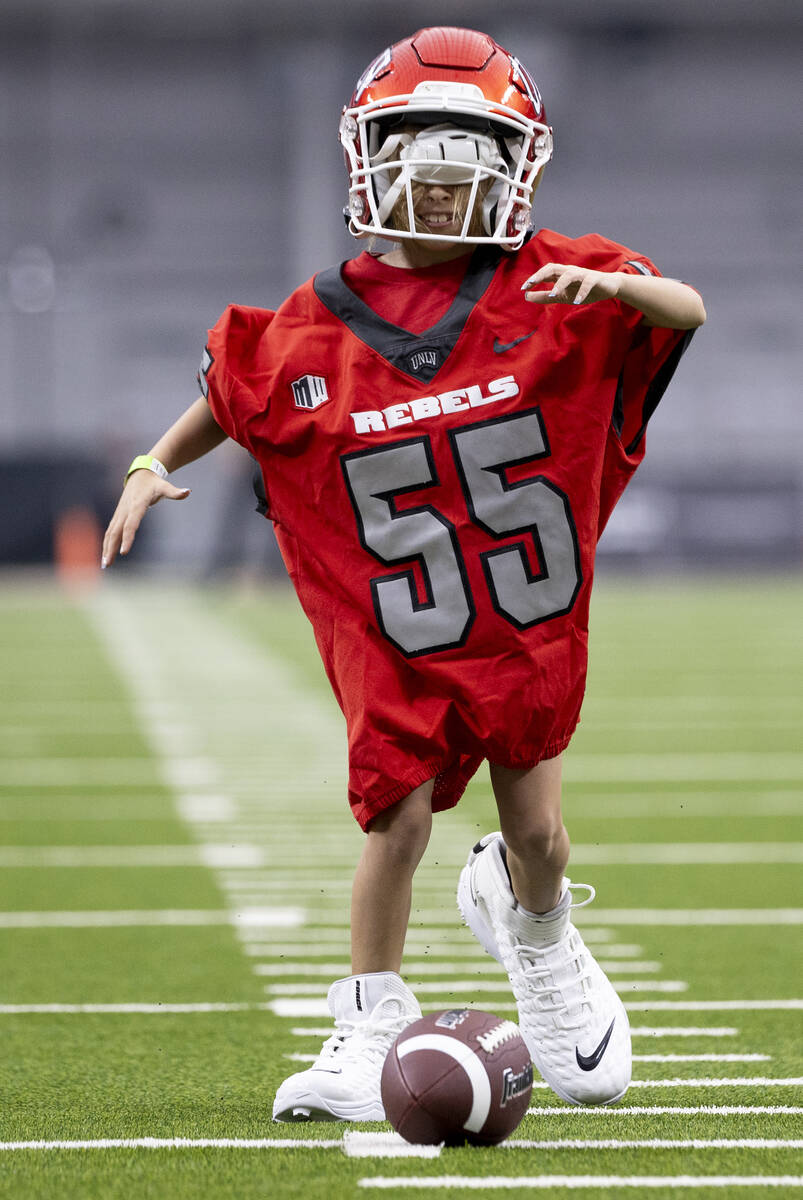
(309, 392)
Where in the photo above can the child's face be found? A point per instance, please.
(436, 210)
(440, 209)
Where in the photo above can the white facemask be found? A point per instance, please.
(439, 154)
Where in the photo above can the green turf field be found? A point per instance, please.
(177, 852)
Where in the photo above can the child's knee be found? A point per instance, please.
(538, 840)
(404, 828)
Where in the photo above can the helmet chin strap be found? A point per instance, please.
(438, 155)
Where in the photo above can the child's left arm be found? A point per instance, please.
(667, 303)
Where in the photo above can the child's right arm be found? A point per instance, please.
(193, 435)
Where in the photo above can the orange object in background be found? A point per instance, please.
(77, 545)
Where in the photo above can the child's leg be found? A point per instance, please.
(372, 1005)
(532, 829)
(382, 888)
(573, 1022)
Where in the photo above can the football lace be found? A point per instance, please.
(492, 1039)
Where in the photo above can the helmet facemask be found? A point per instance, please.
(469, 164)
(443, 134)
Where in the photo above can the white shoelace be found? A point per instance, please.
(544, 994)
(361, 1039)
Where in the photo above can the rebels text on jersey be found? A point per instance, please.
(437, 498)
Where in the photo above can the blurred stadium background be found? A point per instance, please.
(160, 159)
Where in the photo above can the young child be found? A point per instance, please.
(442, 431)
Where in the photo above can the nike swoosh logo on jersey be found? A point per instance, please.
(589, 1062)
(502, 347)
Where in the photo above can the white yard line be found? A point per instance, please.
(670, 1058)
(637, 1058)
(693, 702)
(133, 808)
(759, 765)
(472, 957)
(578, 1182)
(729, 722)
(56, 772)
(311, 1031)
(714, 1005)
(298, 1007)
(699, 916)
(93, 919)
(154, 1143)
(133, 1007)
(277, 951)
(483, 985)
(205, 808)
(259, 918)
(653, 1144)
(688, 853)
(208, 855)
(301, 1006)
(716, 1082)
(414, 968)
(778, 802)
(667, 1110)
(251, 882)
(427, 917)
(456, 938)
(693, 1031)
(359, 1144)
(242, 724)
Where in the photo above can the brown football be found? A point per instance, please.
(457, 1076)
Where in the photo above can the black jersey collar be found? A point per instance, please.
(419, 355)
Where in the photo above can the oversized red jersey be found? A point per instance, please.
(437, 498)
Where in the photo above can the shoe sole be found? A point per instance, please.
(470, 912)
(312, 1107)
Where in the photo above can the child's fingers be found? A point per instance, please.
(548, 271)
(126, 521)
(111, 544)
(584, 290)
(563, 276)
(562, 283)
(130, 526)
(572, 285)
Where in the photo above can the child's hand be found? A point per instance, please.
(143, 489)
(573, 285)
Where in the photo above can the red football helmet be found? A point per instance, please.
(446, 106)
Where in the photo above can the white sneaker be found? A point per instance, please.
(572, 1020)
(369, 1011)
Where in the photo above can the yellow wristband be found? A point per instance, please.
(146, 462)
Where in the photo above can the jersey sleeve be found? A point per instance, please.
(234, 372)
(650, 361)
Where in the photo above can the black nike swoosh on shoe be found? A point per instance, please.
(501, 347)
(589, 1062)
